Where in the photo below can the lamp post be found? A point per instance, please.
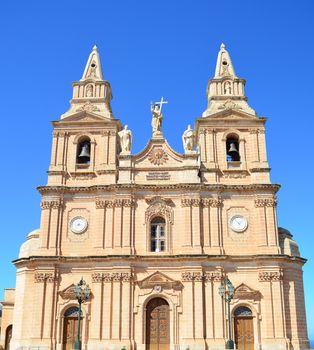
(226, 291)
(82, 294)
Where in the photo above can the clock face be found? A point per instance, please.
(78, 224)
(238, 223)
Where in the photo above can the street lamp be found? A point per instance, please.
(226, 291)
(82, 294)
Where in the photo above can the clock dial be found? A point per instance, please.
(78, 224)
(238, 223)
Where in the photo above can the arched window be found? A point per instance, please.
(157, 235)
(232, 148)
(242, 311)
(83, 151)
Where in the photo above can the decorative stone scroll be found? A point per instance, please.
(54, 204)
(41, 277)
(265, 202)
(108, 277)
(89, 107)
(257, 131)
(205, 202)
(101, 204)
(159, 207)
(213, 276)
(229, 104)
(270, 276)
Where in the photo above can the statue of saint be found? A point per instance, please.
(125, 137)
(188, 139)
(156, 118)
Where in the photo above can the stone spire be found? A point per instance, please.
(92, 93)
(224, 67)
(226, 90)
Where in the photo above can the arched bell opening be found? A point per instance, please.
(232, 148)
(83, 151)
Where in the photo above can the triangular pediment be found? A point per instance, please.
(232, 113)
(85, 117)
(159, 279)
(245, 292)
(68, 292)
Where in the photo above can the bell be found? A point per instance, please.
(84, 151)
(233, 152)
(84, 156)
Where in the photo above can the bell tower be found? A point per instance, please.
(231, 135)
(84, 148)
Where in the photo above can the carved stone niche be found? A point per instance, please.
(247, 293)
(159, 279)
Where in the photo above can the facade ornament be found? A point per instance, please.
(88, 107)
(213, 276)
(229, 104)
(41, 277)
(89, 90)
(159, 208)
(125, 138)
(97, 277)
(157, 116)
(187, 276)
(270, 276)
(158, 156)
(198, 276)
(188, 139)
(265, 202)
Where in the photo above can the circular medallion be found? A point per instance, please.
(78, 224)
(238, 223)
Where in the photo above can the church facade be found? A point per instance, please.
(154, 234)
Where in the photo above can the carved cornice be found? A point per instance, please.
(265, 202)
(41, 277)
(205, 202)
(192, 276)
(213, 276)
(270, 276)
(108, 277)
(54, 204)
(160, 187)
(101, 204)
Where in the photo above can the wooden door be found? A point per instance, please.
(157, 325)
(70, 332)
(244, 334)
(8, 337)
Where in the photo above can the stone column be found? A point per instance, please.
(198, 302)
(196, 232)
(56, 212)
(255, 158)
(49, 317)
(109, 226)
(107, 306)
(242, 152)
(54, 149)
(45, 224)
(218, 309)
(216, 224)
(99, 239)
(118, 212)
(206, 222)
(186, 204)
(128, 205)
(262, 146)
(188, 306)
(202, 142)
(125, 311)
(116, 306)
(97, 306)
(60, 148)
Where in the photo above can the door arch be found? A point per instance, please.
(70, 323)
(243, 328)
(8, 337)
(157, 324)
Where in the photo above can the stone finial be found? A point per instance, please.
(93, 68)
(224, 65)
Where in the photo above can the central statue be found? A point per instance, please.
(157, 116)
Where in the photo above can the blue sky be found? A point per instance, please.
(151, 49)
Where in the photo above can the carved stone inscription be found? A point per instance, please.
(157, 175)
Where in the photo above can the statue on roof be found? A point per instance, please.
(157, 116)
(188, 139)
(125, 138)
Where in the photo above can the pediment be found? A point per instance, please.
(159, 279)
(68, 292)
(245, 292)
(232, 114)
(85, 117)
(158, 154)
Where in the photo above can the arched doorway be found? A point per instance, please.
(157, 325)
(8, 337)
(70, 323)
(243, 328)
